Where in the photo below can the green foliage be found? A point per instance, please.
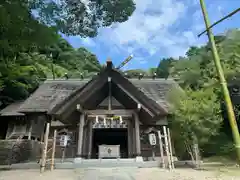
(134, 73)
(31, 49)
(163, 69)
(198, 113)
(81, 17)
(19, 31)
(21, 75)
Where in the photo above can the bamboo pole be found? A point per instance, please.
(44, 153)
(161, 148)
(53, 149)
(170, 147)
(220, 20)
(229, 106)
(167, 147)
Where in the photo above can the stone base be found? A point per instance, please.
(139, 159)
(77, 160)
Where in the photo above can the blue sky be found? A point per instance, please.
(157, 29)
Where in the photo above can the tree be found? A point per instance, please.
(22, 74)
(81, 18)
(196, 116)
(163, 69)
(19, 31)
(134, 73)
(196, 73)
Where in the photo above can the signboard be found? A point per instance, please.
(109, 151)
(152, 139)
(64, 140)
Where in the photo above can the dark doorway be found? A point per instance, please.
(110, 136)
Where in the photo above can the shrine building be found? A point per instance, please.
(109, 109)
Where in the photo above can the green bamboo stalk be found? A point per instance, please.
(230, 111)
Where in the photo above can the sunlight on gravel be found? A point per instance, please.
(117, 174)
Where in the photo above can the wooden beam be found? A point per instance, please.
(119, 112)
(146, 109)
(70, 105)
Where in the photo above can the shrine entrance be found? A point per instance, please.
(110, 136)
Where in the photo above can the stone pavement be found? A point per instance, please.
(115, 174)
(107, 174)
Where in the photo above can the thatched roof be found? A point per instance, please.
(52, 92)
(156, 89)
(12, 110)
(49, 94)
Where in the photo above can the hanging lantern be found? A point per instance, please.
(97, 119)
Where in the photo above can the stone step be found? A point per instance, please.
(119, 173)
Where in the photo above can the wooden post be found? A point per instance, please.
(161, 148)
(30, 130)
(153, 153)
(129, 129)
(170, 147)
(167, 147)
(63, 154)
(53, 149)
(44, 153)
(137, 134)
(90, 139)
(80, 135)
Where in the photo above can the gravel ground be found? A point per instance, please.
(117, 174)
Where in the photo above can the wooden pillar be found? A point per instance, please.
(90, 139)
(161, 148)
(130, 140)
(80, 136)
(133, 139)
(30, 129)
(85, 141)
(137, 134)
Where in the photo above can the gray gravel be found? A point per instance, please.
(116, 174)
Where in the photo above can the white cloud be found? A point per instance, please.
(156, 28)
(149, 28)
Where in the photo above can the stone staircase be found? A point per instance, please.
(108, 163)
(106, 173)
(90, 163)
